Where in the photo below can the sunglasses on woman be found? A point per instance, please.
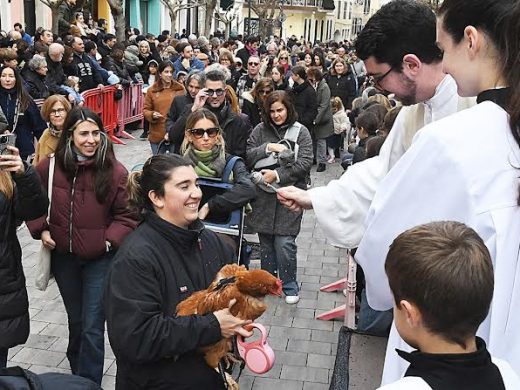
(212, 132)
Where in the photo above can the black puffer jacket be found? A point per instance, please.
(28, 202)
(178, 106)
(158, 266)
(36, 84)
(343, 86)
(306, 103)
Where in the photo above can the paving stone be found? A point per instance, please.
(291, 358)
(268, 383)
(112, 370)
(307, 304)
(39, 369)
(13, 351)
(108, 382)
(308, 374)
(310, 286)
(246, 382)
(309, 347)
(39, 356)
(40, 341)
(60, 345)
(312, 324)
(324, 335)
(309, 279)
(291, 333)
(308, 294)
(56, 330)
(54, 317)
(315, 386)
(37, 326)
(320, 361)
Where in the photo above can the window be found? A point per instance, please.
(366, 9)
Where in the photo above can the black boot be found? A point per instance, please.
(321, 167)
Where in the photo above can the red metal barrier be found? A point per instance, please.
(102, 102)
(130, 108)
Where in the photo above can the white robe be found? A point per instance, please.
(460, 168)
(341, 207)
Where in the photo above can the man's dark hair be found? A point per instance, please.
(165, 32)
(216, 75)
(162, 38)
(89, 46)
(108, 37)
(18, 25)
(368, 121)
(252, 39)
(400, 27)
(445, 269)
(101, 22)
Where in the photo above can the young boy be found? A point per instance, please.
(441, 276)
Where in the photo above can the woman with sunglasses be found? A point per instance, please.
(283, 60)
(157, 103)
(278, 227)
(204, 146)
(254, 100)
(88, 220)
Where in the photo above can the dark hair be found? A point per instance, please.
(165, 32)
(21, 94)
(400, 27)
(163, 65)
(315, 72)
(156, 171)
(390, 118)
(284, 98)
(108, 37)
(216, 75)
(373, 146)
(319, 53)
(299, 71)
(181, 46)
(103, 159)
(264, 82)
(499, 20)
(18, 25)
(90, 45)
(252, 39)
(368, 121)
(161, 38)
(280, 69)
(378, 110)
(40, 47)
(101, 22)
(445, 269)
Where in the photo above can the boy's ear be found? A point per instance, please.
(412, 313)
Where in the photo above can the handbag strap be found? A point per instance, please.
(52, 162)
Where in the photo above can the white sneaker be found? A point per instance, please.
(292, 299)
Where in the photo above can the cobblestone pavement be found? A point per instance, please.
(305, 348)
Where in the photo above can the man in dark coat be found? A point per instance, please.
(55, 76)
(213, 97)
(250, 48)
(65, 16)
(89, 77)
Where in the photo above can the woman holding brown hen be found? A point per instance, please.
(167, 258)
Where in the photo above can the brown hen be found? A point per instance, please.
(232, 282)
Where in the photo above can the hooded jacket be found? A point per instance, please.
(28, 202)
(306, 103)
(156, 268)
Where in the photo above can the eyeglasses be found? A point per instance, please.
(58, 111)
(284, 58)
(253, 63)
(378, 79)
(265, 91)
(212, 132)
(218, 92)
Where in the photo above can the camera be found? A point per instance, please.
(5, 141)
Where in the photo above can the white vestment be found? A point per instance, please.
(462, 168)
(341, 207)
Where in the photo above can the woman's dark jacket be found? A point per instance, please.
(30, 123)
(343, 86)
(178, 106)
(306, 103)
(269, 216)
(253, 112)
(81, 225)
(28, 202)
(36, 84)
(284, 86)
(242, 192)
(158, 266)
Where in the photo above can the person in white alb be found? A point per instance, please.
(463, 168)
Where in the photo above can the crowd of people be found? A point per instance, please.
(396, 109)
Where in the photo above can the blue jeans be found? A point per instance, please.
(155, 148)
(372, 321)
(81, 283)
(3, 357)
(278, 257)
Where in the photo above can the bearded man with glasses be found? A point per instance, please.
(213, 97)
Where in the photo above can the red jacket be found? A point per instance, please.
(79, 224)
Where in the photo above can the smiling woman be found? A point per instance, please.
(168, 257)
(90, 223)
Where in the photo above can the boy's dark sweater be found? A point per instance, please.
(462, 371)
(361, 150)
